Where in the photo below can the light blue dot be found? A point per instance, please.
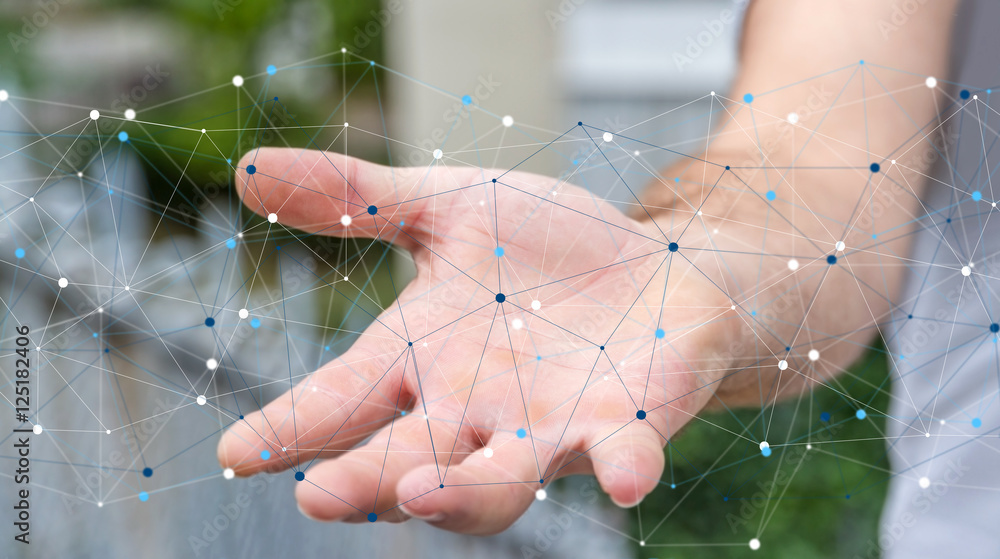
(861, 414)
(272, 70)
(766, 451)
(576, 162)
(94, 334)
(498, 251)
(521, 433)
(977, 423)
(255, 323)
(747, 98)
(977, 196)
(19, 252)
(372, 63)
(230, 243)
(874, 236)
(673, 486)
(466, 100)
(402, 223)
(123, 136)
(326, 348)
(677, 179)
(753, 313)
(265, 455)
(660, 333)
(144, 496)
(230, 161)
(771, 195)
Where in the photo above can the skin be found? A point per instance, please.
(470, 381)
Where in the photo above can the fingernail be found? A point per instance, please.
(436, 517)
(626, 505)
(306, 514)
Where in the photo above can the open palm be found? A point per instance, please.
(545, 334)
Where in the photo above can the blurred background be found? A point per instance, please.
(546, 64)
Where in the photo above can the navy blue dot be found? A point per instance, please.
(209, 322)
(964, 94)
(824, 417)
(410, 343)
(148, 472)
(542, 481)
(909, 316)
(672, 247)
(299, 476)
(948, 220)
(831, 259)
(602, 348)
(579, 123)
(994, 327)
(874, 167)
(847, 496)
(106, 350)
(372, 517)
(241, 416)
(372, 210)
(501, 297)
(441, 486)
(640, 414)
(726, 499)
(727, 167)
(251, 169)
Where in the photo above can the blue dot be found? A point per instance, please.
(677, 179)
(372, 517)
(19, 252)
(372, 210)
(402, 223)
(255, 323)
(874, 167)
(766, 451)
(977, 196)
(831, 259)
(466, 100)
(672, 247)
(660, 333)
(747, 98)
(498, 251)
(111, 191)
(265, 455)
(602, 348)
(95, 334)
(209, 322)
(948, 220)
(673, 486)
(640, 414)
(148, 472)
(753, 313)
(771, 195)
(251, 169)
(994, 327)
(143, 496)
(372, 63)
(501, 297)
(727, 167)
(441, 486)
(874, 236)
(539, 358)
(580, 123)
(861, 414)
(848, 496)
(964, 94)
(824, 417)
(299, 476)
(123, 136)
(229, 160)
(272, 70)
(521, 433)
(909, 316)
(725, 499)
(977, 423)
(409, 344)
(576, 162)
(861, 62)
(230, 243)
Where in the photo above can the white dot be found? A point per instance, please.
(755, 544)
(642, 543)
(32, 199)
(840, 246)
(942, 422)
(605, 377)
(239, 235)
(343, 49)
(129, 114)
(793, 264)
(732, 307)
(345, 220)
(608, 136)
(488, 452)
(4, 95)
(79, 173)
(212, 364)
(975, 97)
(809, 447)
(782, 365)
(892, 162)
(100, 310)
(931, 82)
(203, 130)
(95, 114)
(347, 125)
(966, 271)
(793, 118)
(100, 504)
(764, 445)
(238, 80)
(517, 324)
(928, 435)
(37, 429)
(63, 282)
(636, 152)
(228, 473)
(813, 355)
(201, 400)
(508, 121)
(244, 313)
(541, 494)
(438, 154)
(127, 288)
(924, 482)
(108, 432)
(272, 218)
(712, 93)
(536, 304)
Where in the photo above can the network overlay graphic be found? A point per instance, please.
(469, 327)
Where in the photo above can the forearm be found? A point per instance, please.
(818, 171)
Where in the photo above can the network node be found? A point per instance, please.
(840, 246)
(874, 167)
(143, 496)
(228, 473)
(211, 363)
(966, 271)
(147, 472)
(793, 264)
(861, 414)
(521, 433)
(672, 247)
(63, 282)
(536, 304)
(924, 482)
(931, 82)
(782, 365)
(271, 70)
(123, 136)
(129, 114)
(265, 455)
(372, 517)
(488, 452)
(19, 253)
(517, 324)
(608, 136)
(977, 195)
(824, 417)
(640, 414)
(747, 98)
(498, 251)
(244, 313)
(345, 220)
(831, 259)
(977, 423)
(813, 355)
(754, 544)
(251, 169)
(95, 114)
(771, 195)
(792, 118)
(508, 121)
(230, 243)
(209, 321)
(372, 210)
(299, 476)
(438, 154)
(541, 495)
(964, 94)
(466, 100)
(201, 400)
(4, 95)
(660, 333)
(37, 429)
(501, 297)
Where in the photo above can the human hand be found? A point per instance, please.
(543, 325)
